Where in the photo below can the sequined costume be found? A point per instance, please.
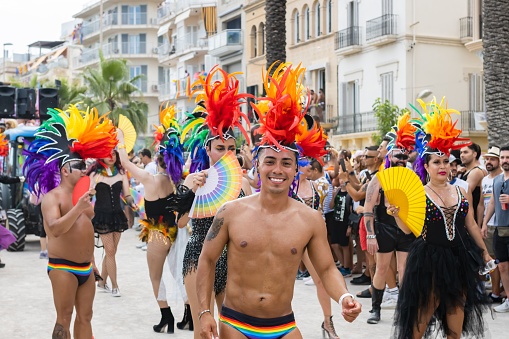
(159, 219)
(438, 266)
(193, 251)
(109, 216)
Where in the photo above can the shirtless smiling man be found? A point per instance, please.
(263, 259)
(54, 165)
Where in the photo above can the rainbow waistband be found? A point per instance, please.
(83, 269)
(258, 328)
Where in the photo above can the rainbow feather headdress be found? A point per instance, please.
(439, 134)
(216, 115)
(167, 139)
(402, 135)
(281, 112)
(67, 136)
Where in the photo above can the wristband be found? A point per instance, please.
(346, 295)
(371, 236)
(205, 311)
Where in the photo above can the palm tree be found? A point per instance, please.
(110, 91)
(275, 30)
(495, 41)
(69, 93)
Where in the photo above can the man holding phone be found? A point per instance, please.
(498, 206)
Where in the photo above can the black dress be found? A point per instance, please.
(109, 216)
(193, 250)
(438, 266)
(160, 218)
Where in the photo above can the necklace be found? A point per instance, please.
(438, 194)
(107, 172)
(162, 173)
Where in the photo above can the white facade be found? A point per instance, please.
(398, 50)
(129, 31)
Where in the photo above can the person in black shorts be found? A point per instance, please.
(339, 227)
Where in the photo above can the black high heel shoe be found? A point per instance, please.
(187, 320)
(167, 320)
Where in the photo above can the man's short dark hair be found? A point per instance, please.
(504, 148)
(372, 148)
(477, 149)
(146, 152)
(386, 138)
(315, 164)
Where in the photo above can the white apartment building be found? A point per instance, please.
(127, 30)
(183, 36)
(400, 50)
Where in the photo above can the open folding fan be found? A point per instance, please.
(126, 126)
(223, 184)
(404, 189)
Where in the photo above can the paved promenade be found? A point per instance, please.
(26, 306)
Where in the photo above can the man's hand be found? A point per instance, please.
(208, 327)
(351, 309)
(372, 246)
(504, 199)
(199, 180)
(484, 231)
(85, 201)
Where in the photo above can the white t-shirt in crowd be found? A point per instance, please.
(460, 183)
(487, 192)
(151, 167)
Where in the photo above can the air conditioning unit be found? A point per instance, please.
(155, 88)
(116, 51)
(154, 50)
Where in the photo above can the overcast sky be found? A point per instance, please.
(23, 22)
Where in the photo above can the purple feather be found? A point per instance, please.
(420, 170)
(174, 158)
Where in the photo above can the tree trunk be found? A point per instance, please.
(496, 69)
(275, 31)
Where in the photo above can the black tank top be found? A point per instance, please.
(476, 192)
(381, 212)
(108, 197)
(158, 210)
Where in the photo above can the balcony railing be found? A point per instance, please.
(357, 122)
(171, 9)
(471, 120)
(466, 27)
(182, 44)
(134, 19)
(381, 26)
(348, 37)
(114, 49)
(111, 19)
(229, 37)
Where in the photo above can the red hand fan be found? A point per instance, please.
(82, 186)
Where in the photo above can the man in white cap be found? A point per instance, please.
(492, 163)
(455, 162)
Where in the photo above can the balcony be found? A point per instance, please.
(171, 9)
(116, 50)
(382, 30)
(472, 121)
(226, 42)
(357, 123)
(189, 43)
(348, 41)
(466, 29)
(111, 21)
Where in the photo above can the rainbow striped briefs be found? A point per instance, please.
(80, 271)
(258, 328)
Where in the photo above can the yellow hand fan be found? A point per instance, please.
(126, 126)
(404, 189)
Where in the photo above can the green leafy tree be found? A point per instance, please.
(110, 91)
(386, 115)
(69, 93)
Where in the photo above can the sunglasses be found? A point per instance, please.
(78, 165)
(401, 156)
(369, 156)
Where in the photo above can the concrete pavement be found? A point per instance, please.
(27, 311)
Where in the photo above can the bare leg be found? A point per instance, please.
(495, 282)
(371, 264)
(157, 251)
(424, 318)
(401, 265)
(383, 261)
(347, 256)
(455, 323)
(44, 244)
(190, 284)
(110, 242)
(64, 286)
(336, 251)
(390, 277)
(84, 301)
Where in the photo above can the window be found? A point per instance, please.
(353, 14)
(253, 42)
(134, 15)
(261, 36)
(141, 71)
(296, 28)
(329, 16)
(476, 92)
(386, 7)
(350, 98)
(318, 18)
(134, 44)
(307, 19)
(387, 84)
